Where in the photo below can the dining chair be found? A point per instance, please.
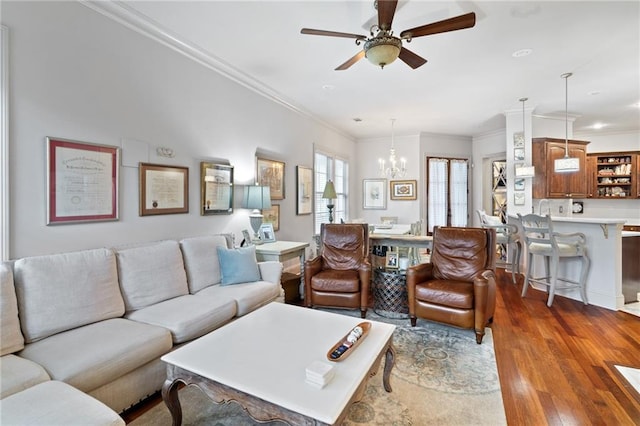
(507, 242)
(553, 246)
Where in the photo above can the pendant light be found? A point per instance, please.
(566, 164)
(524, 171)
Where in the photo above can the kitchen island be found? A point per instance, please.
(604, 248)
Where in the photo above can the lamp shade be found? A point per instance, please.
(329, 191)
(257, 197)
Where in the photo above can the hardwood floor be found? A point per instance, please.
(556, 365)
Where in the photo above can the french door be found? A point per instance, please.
(447, 192)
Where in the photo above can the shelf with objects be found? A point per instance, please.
(614, 174)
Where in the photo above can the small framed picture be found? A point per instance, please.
(518, 184)
(272, 216)
(518, 198)
(403, 189)
(266, 233)
(246, 238)
(392, 260)
(518, 140)
(374, 194)
(518, 154)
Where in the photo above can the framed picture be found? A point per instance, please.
(518, 198)
(271, 173)
(246, 238)
(82, 181)
(163, 189)
(518, 154)
(403, 189)
(216, 189)
(518, 140)
(266, 233)
(374, 195)
(304, 190)
(392, 260)
(518, 184)
(272, 216)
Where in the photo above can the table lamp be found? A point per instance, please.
(256, 198)
(330, 194)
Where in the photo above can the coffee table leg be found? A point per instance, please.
(389, 362)
(171, 400)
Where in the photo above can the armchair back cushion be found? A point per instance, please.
(462, 254)
(344, 246)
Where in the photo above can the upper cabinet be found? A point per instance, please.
(549, 184)
(614, 174)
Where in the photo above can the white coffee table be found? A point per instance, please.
(260, 360)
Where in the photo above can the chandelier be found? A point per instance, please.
(395, 169)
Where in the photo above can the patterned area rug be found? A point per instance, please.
(441, 377)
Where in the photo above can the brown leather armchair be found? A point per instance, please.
(341, 274)
(458, 287)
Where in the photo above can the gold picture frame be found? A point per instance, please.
(271, 173)
(272, 216)
(163, 189)
(403, 189)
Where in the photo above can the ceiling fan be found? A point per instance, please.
(382, 47)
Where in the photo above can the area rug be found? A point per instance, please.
(441, 377)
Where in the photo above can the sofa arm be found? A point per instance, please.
(271, 271)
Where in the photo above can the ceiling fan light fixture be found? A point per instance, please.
(382, 50)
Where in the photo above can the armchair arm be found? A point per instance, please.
(311, 267)
(364, 272)
(484, 296)
(415, 275)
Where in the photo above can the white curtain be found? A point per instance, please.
(447, 192)
(437, 193)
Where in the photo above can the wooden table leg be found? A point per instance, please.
(171, 400)
(389, 362)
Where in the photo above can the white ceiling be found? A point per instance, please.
(470, 80)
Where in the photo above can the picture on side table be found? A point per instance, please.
(163, 189)
(266, 233)
(82, 181)
(392, 260)
(271, 173)
(374, 194)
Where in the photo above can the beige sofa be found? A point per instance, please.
(99, 320)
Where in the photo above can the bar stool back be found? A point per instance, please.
(553, 246)
(507, 241)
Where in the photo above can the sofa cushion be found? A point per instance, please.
(248, 296)
(187, 317)
(151, 273)
(63, 291)
(201, 260)
(19, 374)
(238, 265)
(56, 403)
(90, 356)
(11, 339)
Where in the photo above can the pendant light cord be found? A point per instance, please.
(566, 113)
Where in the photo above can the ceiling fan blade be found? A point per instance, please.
(452, 24)
(355, 58)
(411, 59)
(311, 31)
(386, 10)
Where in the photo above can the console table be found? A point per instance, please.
(281, 251)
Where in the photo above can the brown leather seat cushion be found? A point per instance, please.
(336, 281)
(455, 294)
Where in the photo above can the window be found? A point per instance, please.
(326, 168)
(447, 192)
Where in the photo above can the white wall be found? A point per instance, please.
(78, 75)
(369, 151)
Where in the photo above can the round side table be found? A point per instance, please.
(390, 294)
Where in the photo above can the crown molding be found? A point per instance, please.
(124, 14)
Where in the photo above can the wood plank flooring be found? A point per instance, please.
(556, 365)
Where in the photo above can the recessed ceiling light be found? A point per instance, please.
(598, 126)
(521, 53)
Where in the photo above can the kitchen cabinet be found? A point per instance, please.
(614, 174)
(549, 184)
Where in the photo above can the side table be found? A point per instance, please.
(390, 294)
(281, 251)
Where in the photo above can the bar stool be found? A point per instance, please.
(506, 237)
(541, 240)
